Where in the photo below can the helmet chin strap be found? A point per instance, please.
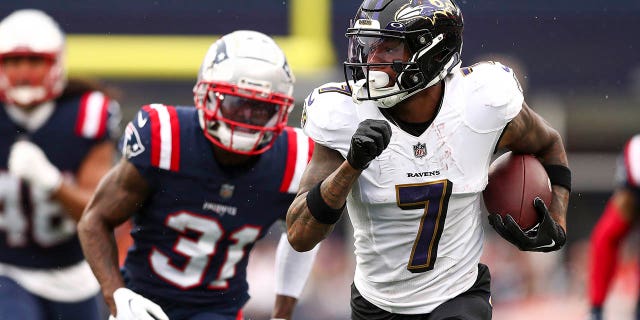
(445, 71)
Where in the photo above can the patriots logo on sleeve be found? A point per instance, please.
(132, 145)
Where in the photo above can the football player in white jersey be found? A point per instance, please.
(406, 145)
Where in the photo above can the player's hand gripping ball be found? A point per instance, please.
(516, 199)
(515, 180)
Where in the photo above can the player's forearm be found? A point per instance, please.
(303, 229)
(100, 250)
(554, 157)
(283, 308)
(304, 232)
(558, 206)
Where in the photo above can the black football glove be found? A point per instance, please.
(595, 314)
(368, 142)
(547, 236)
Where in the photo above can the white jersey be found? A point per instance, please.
(416, 210)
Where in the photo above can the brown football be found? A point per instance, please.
(515, 180)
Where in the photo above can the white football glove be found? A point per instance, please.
(28, 162)
(132, 306)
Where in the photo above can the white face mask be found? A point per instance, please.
(242, 141)
(377, 86)
(26, 95)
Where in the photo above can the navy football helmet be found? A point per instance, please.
(428, 34)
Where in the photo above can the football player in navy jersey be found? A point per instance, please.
(618, 217)
(56, 145)
(203, 185)
(405, 144)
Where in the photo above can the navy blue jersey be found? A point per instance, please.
(193, 235)
(35, 232)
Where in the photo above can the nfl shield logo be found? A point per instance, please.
(226, 191)
(420, 150)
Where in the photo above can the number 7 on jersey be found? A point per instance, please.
(434, 198)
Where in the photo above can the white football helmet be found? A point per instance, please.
(244, 92)
(31, 32)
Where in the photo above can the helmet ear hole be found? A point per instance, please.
(411, 79)
(419, 41)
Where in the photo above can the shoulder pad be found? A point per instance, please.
(93, 115)
(494, 96)
(328, 112)
(495, 82)
(154, 133)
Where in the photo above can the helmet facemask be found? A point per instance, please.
(241, 120)
(369, 81)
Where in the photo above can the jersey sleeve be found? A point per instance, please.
(497, 96)
(151, 139)
(328, 116)
(299, 150)
(98, 117)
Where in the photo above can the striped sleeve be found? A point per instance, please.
(165, 136)
(91, 122)
(299, 150)
(632, 161)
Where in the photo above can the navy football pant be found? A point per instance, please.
(184, 311)
(473, 304)
(18, 303)
(206, 316)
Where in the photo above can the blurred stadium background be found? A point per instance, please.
(577, 59)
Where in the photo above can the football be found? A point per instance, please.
(515, 180)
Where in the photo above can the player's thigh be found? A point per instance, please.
(473, 304)
(362, 309)
(88, 309)
(18, 303)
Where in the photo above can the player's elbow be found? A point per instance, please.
(90, 224)
(298, 242)
(86, 224)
